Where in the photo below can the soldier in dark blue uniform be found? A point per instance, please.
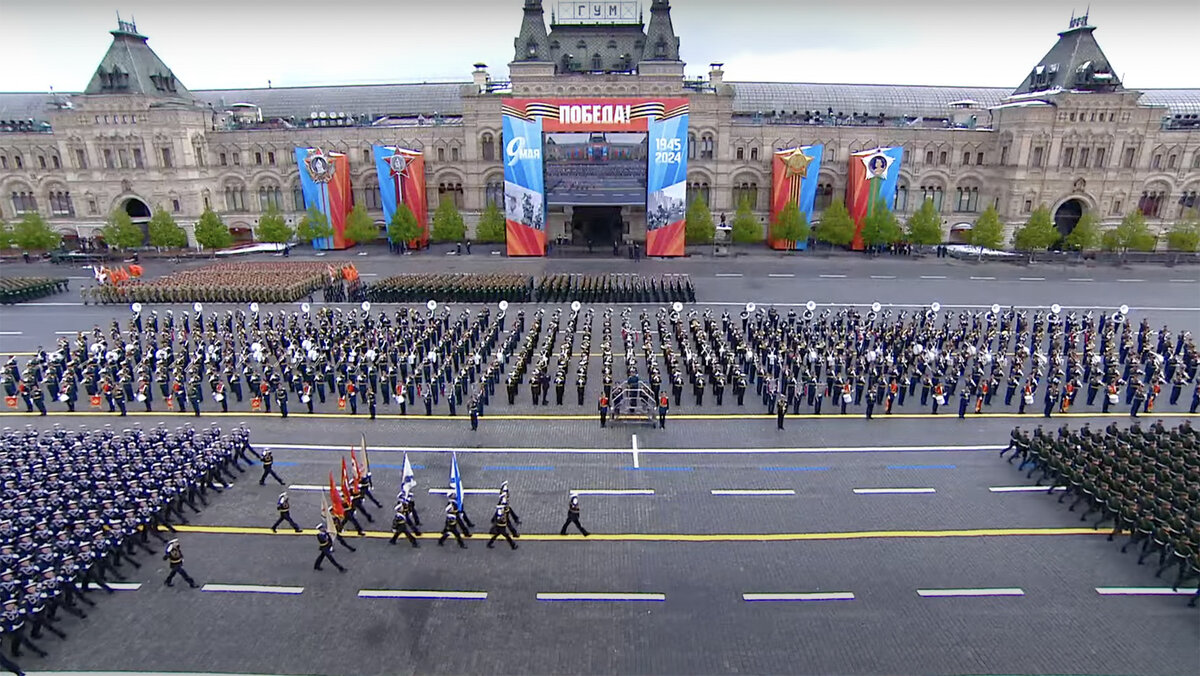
(174, 557)
(325, 545)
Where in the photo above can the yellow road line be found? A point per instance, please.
(294, 414)
(697, 537)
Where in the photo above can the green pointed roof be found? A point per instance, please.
(1075, 62)
(131, 67)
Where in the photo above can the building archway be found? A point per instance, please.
(1067, 215)
(138, 210)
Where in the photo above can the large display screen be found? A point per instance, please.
(595, 168)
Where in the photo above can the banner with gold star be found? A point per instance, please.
(325, 184)
(872, 180)
(401, 175)
(794, 174)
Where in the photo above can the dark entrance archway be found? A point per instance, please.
(601, 225)
(1067, 215)
(139, 213)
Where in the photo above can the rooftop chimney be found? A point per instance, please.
(480, 76)
(716, 76)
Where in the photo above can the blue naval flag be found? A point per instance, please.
(456, 481)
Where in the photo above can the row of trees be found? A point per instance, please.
(1132, 234)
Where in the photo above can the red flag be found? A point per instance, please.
(345, 480)
(354, 464)
(336, 499)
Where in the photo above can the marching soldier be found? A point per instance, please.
(452, 525)
(174, 557)
(573, 516)
(284, 507)
(268, 463)
(402, 524)
(325, 548)
(500, 527)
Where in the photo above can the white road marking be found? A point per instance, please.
(933, 276)
(1144, 591)
(119, 586)
(51, 305)
(368, 274)
(1024, 489)
(251, 589)
(1081, 279)
(1131, 281)
(601, 596)
(431, 594)
(635, 452)
(306, 487)
(832, 276)
(10, 333)
(467, 491)
(982, 279)
(753, 491)
(883, 276)
(946, 306)
(996, 591)
(1033, 279)
(729, 274)
(1184, 281)
(893, 491)
(780, 274)
(810, 596)
(612, 491)
(65, 333)
(642, 451)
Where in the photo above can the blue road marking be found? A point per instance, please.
(920, 466)
(392, 466)
(658, 469)
(518, 468)
(794, 469)
(279, 463)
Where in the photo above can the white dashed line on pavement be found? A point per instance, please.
(65, 333)
(893, 491)
(306, 487)
(635, 453)
(612, 491)
(883, 276)
(1032, 279)
(729, 274)
(1183, 281)
(119, 586)
(428, 594)
(753, 491)
(466, 491)
(982, 279)
(10, 333)
(603, 596)
(1081, 279)
(810, 596)
(933, 276)
(946, 593)
(1131, 281)
(781, 274)
(1024, 489)
(833, 276)
(1144, 591)
(251, 589)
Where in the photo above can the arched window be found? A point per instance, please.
(708, 147)
(269, 196)
(596, 63)
(24, 202)
(824, 196)
(745, 193)
(740, 153)
(699, 189)
(297, 198)
(371, 198)
(60, 203)
(1187, 201)
(1151, 203)
(451, 191)
(901, 203)
(968, 199)
(487, 145)
(934, 193)
(692, 146)
(235, 198)
(753, 153)
(1156, 161)
(493, 193)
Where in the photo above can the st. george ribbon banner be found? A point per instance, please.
(794, 174)
(325, 184)
(873, 176)
(402, 181)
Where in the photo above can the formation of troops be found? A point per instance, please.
(1146, 482)
(22, 289)
(451, 288)
(614, 288)
(452, 362)
(80, 505)
(559, 288)
(237, 282)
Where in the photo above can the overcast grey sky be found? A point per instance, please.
(227, 43)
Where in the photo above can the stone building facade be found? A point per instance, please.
(1070, 136)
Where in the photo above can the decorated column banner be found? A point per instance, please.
(524, 182)
(402, 181)
(794, 174)
(666, 180)
(873, 175)
(325, 183)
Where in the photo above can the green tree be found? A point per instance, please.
(272, 228)
(404, 226)
(988, 231)
(360, 229)
(164, 232)
(699, 227)
(6, 235)
(1085, 235)
(314, 225)
(1185, 235)
(746, 228)
(1038, 233)
(925, 225)
(1132, 233)
(448, 224)
(120, 232)
(32, 234)
(211, 232)
(836, 228)
(880, 226)
(491, 227)
(791, 226)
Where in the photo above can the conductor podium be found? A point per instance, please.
(633, 401)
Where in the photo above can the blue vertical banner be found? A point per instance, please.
(524, 184)
(794, 175)
(666, 180)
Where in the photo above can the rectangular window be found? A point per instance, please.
(441, 154)
(1099, 157)
(271, 158)
(1028, 207)
(740, 153)
(166, 158)
(1129, 157)
(1171, 160)
(123, 159)
(137, 158)
(1004, 156)
(1116, 207)
(297, 199)
(56, 162)
(454, 154)
(367, 156)
(258, 158)
(80, 158)
(1156, 161)
(1037, 157)
(92, 208)
(928, 157)
(237, 159)
(42, 161)
(223, 160)
(966, 159)
(942, 158)
(175, 206)
(1083, 157)
(978, 158)
(1068, 157)
(754, 154)
(19, 162)
(108, 159)
(3, 162)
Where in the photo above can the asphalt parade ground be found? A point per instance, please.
(719, 545)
